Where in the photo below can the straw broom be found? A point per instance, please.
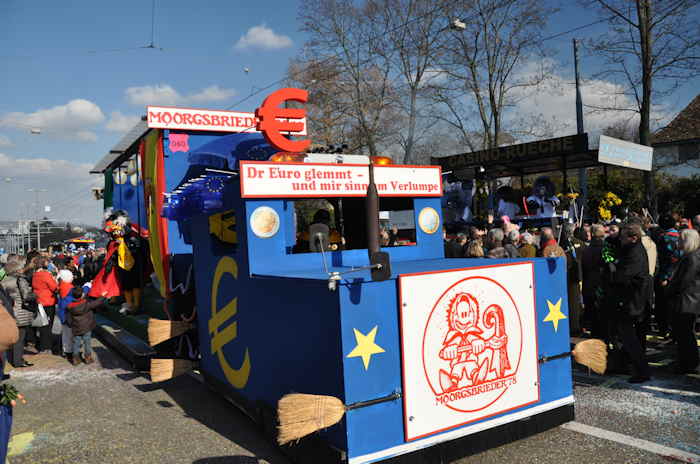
(166, 369)
(160, 330)
(592, 353)
(301, 414)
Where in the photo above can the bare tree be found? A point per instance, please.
(410, 36)
(490, 64)
(649, 42)
(622, 129)
(326, 114)
(341, 33)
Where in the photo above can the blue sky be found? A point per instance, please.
(74, 68)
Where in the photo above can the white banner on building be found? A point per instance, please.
(261, 179)
(165, 117)
(469, 345)
(627, 154)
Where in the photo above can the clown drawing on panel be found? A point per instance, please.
(474, 357)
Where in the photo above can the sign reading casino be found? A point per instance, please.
(525, 151)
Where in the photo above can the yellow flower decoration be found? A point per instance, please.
(608, 200)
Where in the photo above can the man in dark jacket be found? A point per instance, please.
(455, 247)
(592, 268)
(81, 318)
(669, 255)
(631, 291)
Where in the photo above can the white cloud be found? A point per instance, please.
(86, 136)
(212, 93)
(68, 188)
(262, 38)
(119, 122)
(69, 121)
(553, 102)
(5, 141)
(152, 94)
(434, 76)
(164, 94)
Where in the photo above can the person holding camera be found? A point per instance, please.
(630, 290)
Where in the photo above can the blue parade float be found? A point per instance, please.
(439, 350)
(323, 338)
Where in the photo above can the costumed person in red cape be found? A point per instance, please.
(132, 266)
(106, 283)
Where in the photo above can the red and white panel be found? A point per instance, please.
(284, 180)
(469, 345)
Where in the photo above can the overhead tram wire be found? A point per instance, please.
(559, 34)
(335, 55)
(104, 51)
(153, 23)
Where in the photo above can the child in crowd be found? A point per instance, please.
(81, 317)
(65, 287)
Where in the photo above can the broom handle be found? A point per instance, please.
(361, 404)
(468, 348)
(544, 359)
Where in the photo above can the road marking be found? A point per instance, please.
(661, 450)
(670, 391)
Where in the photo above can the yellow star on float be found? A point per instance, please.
(365, 346)
(555, 314)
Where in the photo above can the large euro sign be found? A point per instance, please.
(238, 377)
(269, 115)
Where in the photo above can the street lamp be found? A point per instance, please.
(457, 25)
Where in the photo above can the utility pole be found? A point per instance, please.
(29, 227)
(582, 179)
(20, 237)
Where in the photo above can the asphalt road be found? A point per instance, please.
(105, 413)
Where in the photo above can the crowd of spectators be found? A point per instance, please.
(44, 294)
(625, 280)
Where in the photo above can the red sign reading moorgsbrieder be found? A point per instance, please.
(166, 117)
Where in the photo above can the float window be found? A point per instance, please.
(343, 222)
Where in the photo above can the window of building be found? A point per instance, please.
(688, 152)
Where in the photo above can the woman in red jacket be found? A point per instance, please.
(45, 288)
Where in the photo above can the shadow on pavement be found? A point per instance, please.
(108, 359)
(211, 410)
